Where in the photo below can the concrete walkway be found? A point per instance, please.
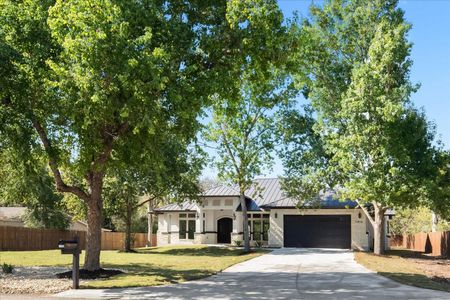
(281, 274)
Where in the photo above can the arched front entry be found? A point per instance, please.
(224, 228)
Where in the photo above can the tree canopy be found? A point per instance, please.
(243, 116)
(91, 84)
(374, 146)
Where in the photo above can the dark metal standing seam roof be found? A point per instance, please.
(185, 206)
(221, 190)
(265, 193)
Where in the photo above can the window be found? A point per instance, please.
(257, 230)
(204, 224)
(259, 226)
(182, 234)
(265, 230)
(191, 229)
(187, 226)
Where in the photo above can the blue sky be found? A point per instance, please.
(430, 35)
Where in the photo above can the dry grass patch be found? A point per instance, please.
(409, 267)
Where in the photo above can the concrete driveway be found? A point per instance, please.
(281, 274)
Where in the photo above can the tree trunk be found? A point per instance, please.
(150, 223)
(94, 233)
(378, 230)
(245, 221)
(128, 217)
(434, 221)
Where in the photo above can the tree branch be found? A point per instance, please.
(371, 220)
(146, 201)
(95, 174)
(61, 186)
(228, 149)
(109, 140)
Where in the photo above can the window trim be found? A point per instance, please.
(259, 217)
(187, 217)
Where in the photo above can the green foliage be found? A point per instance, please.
(305, 160)
(99, 86)
(256, 85)
(374, 145)
(238, 243)
(243, 116)
(414, 220)
(7, 268)
(438, 185)
(29, 184)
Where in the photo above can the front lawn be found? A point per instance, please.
(410, 268)
(149, 266)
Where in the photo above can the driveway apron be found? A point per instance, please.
(286, 273)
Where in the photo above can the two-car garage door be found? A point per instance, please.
(317, 231)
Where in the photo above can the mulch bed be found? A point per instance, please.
(85, 274)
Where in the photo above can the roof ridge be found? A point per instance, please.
(222, 185)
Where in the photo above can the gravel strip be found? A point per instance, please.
(33, 280)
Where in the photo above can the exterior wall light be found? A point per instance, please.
(359, 215)
(234, 216)
(276, 215)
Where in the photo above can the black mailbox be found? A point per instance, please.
(69, 246)
(72, 247)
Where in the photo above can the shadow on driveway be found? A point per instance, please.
(281, 274)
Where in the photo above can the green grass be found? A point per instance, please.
(394, 266)
(146, 267)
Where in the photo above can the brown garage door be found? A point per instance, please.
(317, 231)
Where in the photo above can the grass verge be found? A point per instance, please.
(146, 266)
(400, 269)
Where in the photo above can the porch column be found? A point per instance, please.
(199, 237)
(210, 236)
(236, 234)
(199, 221)
(237, 222)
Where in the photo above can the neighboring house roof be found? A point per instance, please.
(265, 193)
(11, 213)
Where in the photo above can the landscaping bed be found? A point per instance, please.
(409, 267)
(145, 267)
(33, 280)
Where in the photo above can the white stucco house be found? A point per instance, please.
(274, 220)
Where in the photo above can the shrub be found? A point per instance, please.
(7, 268)
(258, 244)
(238, 243)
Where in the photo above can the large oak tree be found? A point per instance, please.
(91, 83)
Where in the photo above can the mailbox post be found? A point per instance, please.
(72, 247)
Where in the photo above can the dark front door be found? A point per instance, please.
(224, 228)
(317, 231)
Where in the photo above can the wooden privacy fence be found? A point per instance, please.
(435, 243)
(27, 239)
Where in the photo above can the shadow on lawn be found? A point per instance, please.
(160, 275)
(209, 251)
(406, 253)
(418, 280)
